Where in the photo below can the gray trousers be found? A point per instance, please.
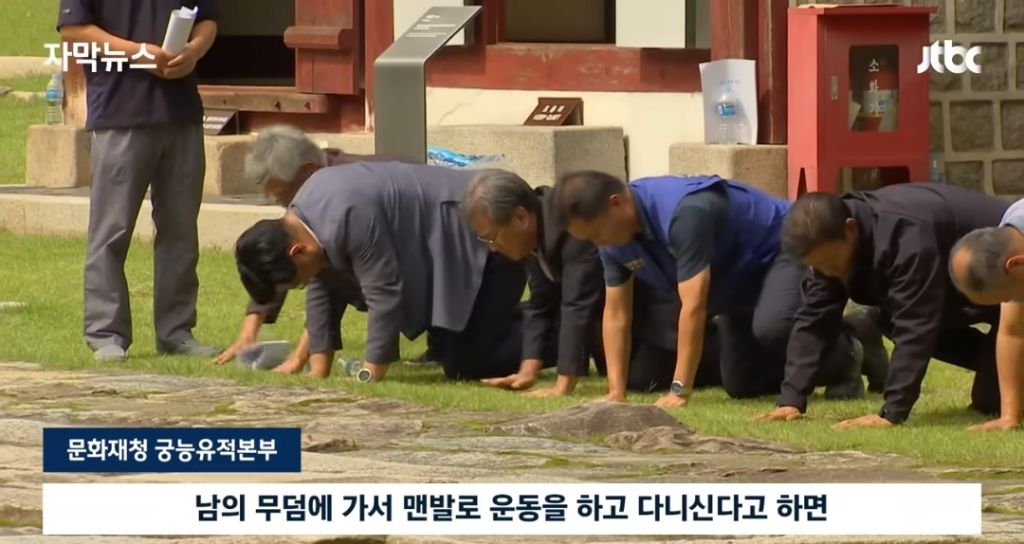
(170, 161)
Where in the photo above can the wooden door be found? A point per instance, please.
(326, 38)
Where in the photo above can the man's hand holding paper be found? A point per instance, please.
(183, 64)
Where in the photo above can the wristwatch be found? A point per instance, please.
(364, 375)
(678, 389)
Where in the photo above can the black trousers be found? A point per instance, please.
(753, 346)
(491, 344)
(652, 366)
(962, 345)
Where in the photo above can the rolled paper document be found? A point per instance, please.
(179, 29)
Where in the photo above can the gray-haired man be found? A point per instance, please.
(391, 232)
(282, 158)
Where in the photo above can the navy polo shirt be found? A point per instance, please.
(133, 97)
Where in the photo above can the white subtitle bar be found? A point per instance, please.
(512, 509)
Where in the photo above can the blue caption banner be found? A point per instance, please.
(148, 449)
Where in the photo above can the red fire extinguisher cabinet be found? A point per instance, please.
(843, 110)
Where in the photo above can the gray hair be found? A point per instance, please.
(279, 152)
(988, 249)
(498, 193)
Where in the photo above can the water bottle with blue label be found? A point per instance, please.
(55, 100)
(727, 109)
(440, 156)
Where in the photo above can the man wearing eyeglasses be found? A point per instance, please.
(562, 319)
(396, 229)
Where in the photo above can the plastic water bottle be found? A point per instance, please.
(729, 124)
(55, 100)
(440, 156)
(351, 367)
(938, 169)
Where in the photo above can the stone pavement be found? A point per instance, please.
(351, 439)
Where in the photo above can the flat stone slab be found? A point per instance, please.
(595, 419)
(352, 439)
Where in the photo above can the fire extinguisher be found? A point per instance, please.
(878, 95)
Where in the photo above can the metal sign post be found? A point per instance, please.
(400, 85)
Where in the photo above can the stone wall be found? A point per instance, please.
(978, 119)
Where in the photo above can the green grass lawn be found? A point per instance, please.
(15, 117)
(35, 84)
(47, 274)
(27, 26)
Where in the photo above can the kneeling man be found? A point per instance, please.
(562, 319)
(396, 230)
(986, 267)
(889, 248)
(716, 244)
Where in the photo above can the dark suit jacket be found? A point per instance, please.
(398, 230)
(567, 303)
(906, 232)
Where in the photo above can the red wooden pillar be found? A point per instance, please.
(379, 30)
(756, 29)
(326, 38)
(772, 76)
(734, 29)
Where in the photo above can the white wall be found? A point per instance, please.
(652, 121)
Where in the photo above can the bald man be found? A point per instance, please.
(986, 266)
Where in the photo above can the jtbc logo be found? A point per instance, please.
(938, 56)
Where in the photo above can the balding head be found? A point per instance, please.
(985, 265)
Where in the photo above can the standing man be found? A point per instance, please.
(986, 266)
(889, 248)
(396, 229)
(147, 133)
(561, 322)
(716, 244)
(281, 160)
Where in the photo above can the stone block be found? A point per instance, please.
(994, 68)
(1012, 112)
(946, 81)
(938, 19)
(970, 174)
(1008, 177)
(971, 126)
(761, 166)
(975, 16)
(359, 143)
(12, 213)
(938, 128)
(225, 165)
(539, 154)
(57, 156)
(55, 215)
(220, 225)
(1013, 16)
(1020, 66)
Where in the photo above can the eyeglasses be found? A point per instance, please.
(492, 239)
